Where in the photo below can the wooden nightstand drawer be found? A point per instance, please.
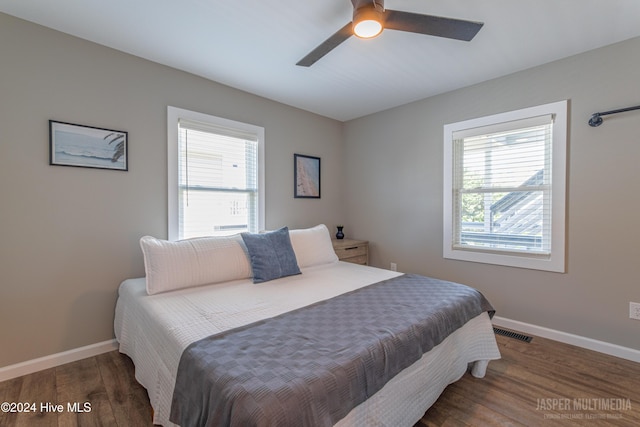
(355, 251)
(351, 251)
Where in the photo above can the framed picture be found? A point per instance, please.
(307, 176)
(87, 147)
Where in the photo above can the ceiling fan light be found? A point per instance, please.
(367, 21)
(367, 29)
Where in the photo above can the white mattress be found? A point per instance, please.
(154, 330)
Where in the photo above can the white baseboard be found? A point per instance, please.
(567, 338)
(46, 362)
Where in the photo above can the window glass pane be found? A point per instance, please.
(215, 213)
(504, 221)
(218, 183)
(505, 160)
(503, 193)
(210, 160)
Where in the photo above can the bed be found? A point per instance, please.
(207, 287)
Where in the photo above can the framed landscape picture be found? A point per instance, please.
(86, 146)
(307, 176)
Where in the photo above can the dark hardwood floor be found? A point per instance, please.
(538, 383)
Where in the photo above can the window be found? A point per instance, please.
(216, 175)
(504, 188)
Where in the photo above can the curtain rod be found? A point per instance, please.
(596, 119)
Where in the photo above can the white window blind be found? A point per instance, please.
(218, 185)
(504, 188)
(217, 176)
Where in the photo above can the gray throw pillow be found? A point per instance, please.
(271, 255)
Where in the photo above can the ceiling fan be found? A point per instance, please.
(370, 18)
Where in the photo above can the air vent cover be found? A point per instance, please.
(511, 334)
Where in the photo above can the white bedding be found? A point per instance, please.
(154, 330)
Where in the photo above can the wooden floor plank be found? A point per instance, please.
(84, 395)
(497, 396)
(8, 392)
(36, 390)
(129, 400)
(465, 409)
(510, 394)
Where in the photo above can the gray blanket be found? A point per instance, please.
(311, 366)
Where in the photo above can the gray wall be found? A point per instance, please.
(394, 188)
(69, 236)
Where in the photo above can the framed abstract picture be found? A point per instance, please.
(87, 146)
(306, 176)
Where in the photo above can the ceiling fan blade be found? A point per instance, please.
(431, 25)
(327, 46)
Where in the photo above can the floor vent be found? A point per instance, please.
(511, 334)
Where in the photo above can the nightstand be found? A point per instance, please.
(350, 250)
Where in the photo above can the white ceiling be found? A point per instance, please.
(254, 45)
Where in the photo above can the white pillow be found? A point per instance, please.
(193, 262)
(312, 246)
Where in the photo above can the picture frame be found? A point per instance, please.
(306, 177)
(87, 146)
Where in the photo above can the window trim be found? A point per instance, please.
(174, 114)
(555, 262)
